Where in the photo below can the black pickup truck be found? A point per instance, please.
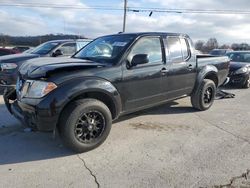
(112, 76)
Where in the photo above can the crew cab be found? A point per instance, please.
(112, 76)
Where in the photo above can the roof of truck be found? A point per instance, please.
(69, 40)
(153, 33)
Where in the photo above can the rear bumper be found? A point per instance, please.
(29, 115)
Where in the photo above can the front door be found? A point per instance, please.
(142, 83)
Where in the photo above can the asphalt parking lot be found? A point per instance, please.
(167, 146)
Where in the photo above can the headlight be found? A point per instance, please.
(8, 66)
(241, 70)
(37, 89)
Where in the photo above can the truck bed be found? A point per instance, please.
(220, 62)
(210, 59)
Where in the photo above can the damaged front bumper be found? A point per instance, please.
(32, 116)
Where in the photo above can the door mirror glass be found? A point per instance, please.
(139, 59)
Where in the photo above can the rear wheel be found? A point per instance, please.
(247, 83)
(203, 98)
(85, 124)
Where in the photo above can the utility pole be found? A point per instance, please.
(64, 26)
(125, 15)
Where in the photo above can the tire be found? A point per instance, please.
(203, 98)
(247, 83)
(85, 124)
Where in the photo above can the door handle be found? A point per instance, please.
(190, 67)
(164, 71)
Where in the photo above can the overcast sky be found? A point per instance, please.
(93, 23)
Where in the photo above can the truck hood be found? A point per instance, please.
(42, 67)
(16, 58)
(237, 65)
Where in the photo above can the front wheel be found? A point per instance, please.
(85, 124)
(203, 98)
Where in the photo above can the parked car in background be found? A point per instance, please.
(9, 64)
(5, 51)
(239, 73)
(29, 50)
(199, 52)
(21, 48)
(220, 52)
(112, 76)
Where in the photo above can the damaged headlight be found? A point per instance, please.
(37, 89)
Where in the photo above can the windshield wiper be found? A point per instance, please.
(92, 59)
(85, 58)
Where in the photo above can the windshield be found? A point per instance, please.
(44, 48)
(239, 57)
(105, 49)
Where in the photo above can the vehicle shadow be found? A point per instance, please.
(169, 108)
(18, 145)
(230, 87)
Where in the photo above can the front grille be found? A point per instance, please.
(19, 86)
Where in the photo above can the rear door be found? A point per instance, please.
(180, 68)
(142, 83)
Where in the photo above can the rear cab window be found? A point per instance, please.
(184, 48)
(177, 49)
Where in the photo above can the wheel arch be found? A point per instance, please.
(95, 88)
(212, 76)
(99, 95)
(207, 72)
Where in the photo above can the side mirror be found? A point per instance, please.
(58, 52)
(139, 59)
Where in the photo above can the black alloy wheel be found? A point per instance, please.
(89, 126)
(85, 124)
(208, 95)
(203, 97)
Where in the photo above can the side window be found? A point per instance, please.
(150, 46)
(175, 49)
(68, 49)
(185, 48)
